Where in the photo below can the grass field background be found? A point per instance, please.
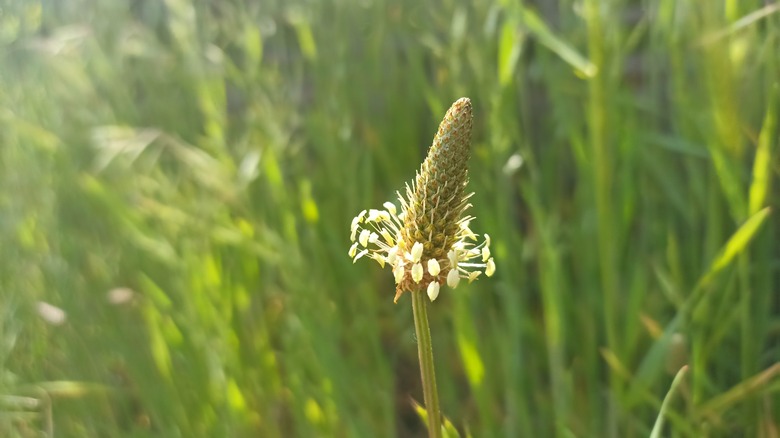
(177, 181)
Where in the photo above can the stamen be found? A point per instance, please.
(453, 278)
(433, 290)
(433, 267)
(417, 272)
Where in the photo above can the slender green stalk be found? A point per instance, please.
(430, 242)
(603, 189)
(427, 373)
(659, 422)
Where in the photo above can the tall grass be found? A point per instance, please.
(179, 178)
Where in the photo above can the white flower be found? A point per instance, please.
(363, 239)
(453, 278)
(433, 290)
(453, 258)
(429, 235)
(392, 255)
(490, 269)
(398, 273)
(417, 272)
(390, 207)
(377, 235)
(388, 238)
(417, 251)
(433, 267)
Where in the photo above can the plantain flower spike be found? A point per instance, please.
(429, 243)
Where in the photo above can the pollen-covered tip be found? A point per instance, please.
(392, 255)
(453, 278)
(433, 267)
(398, 274)
(417, 251)
(433, 290)
(490, 269)
(363, 238)
(390, 207)
(417, 272)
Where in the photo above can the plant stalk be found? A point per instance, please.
(425, 352)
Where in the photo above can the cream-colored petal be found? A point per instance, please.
(453, 278)
(359, 255)
(433, 267)
(353, 228)
(490, 269)
(417, 272)
(390, 207)
(398, 273)
(363, 239)
(392, 255)
(433, 290)
(379, 258)
(388, 238)
(353, 249)
(417, 251)
(453, 258)
(485, 253)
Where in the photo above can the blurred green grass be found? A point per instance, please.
(179, 177)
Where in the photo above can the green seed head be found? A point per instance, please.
(437, 201)
(429, 243)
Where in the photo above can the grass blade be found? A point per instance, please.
(659, 422)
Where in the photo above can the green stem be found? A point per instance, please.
(425, 352)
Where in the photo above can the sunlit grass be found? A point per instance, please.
(205, 160)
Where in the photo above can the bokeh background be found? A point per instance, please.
(178, 179)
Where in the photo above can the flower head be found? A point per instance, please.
(429, 243)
